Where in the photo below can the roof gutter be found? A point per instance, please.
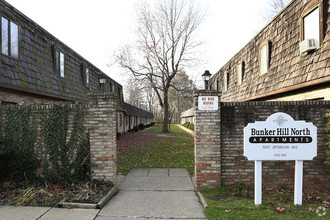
(289, 89)
(30, 91)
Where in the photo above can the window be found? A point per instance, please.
(9, 38)
(119, 93)
(225, 82)
(112, 87)
(87, 76)
(240, 73)
(59, 63)
(311, 26)
(264, 58)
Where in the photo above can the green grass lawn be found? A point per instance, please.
(173, 128)
(148, 150)
(237, 202)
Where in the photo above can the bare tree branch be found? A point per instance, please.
(165, 34)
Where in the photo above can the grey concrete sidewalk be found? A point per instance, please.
(144, 194)
(154, 194)
(45, 213)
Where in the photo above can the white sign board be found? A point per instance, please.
(208, 102)
(280, 138)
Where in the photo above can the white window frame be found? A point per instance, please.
(312, 21)
(62, 64)
(59, 64)
(87, 76)
(239, 72)
(264, 58)
(225, 82)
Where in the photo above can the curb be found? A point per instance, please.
(202, 199)
(99, 205)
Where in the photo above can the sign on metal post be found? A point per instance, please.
(280, 137)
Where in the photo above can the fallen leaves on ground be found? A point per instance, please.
(52, 194)
(151, 150)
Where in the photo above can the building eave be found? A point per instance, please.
(289, 89)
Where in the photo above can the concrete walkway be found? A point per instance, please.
(144, 194)
(154, 194)
(45, 213)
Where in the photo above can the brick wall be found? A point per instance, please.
(220, 160)
(101, 122)
(207, 145)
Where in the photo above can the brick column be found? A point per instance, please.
(207, 144)
(101, 122)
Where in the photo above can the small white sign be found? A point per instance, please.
(280, 138)
(208, 102)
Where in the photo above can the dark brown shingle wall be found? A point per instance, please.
(288, 68)
(34, 70)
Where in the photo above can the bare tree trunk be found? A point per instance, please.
(165, 113)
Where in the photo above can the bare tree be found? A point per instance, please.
(275, 6)
(165, 44)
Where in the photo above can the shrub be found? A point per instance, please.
(191, 126)
(64, 159)
(18, 138)
(141, 126)
(186, 124)
(61, 154)
(135, 128)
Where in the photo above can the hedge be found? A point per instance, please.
(42, 139)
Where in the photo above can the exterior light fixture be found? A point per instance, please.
(206, 77)
(102, 81)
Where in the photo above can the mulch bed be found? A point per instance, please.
(49, 195)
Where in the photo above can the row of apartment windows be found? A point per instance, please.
(311, 30)
(10, 47)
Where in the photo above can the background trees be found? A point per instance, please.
(274, 6)
(180, 95)
(165, 45)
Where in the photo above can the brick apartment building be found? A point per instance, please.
(288, 60)
(36, 67)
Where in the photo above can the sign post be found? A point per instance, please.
(257, 182)
(298, 180)
(280, 138)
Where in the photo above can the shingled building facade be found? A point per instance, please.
(36, 67)
(287, 60)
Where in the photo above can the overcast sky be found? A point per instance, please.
(97, 28)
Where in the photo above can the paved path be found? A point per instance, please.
(144, 194)
(157, 193)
